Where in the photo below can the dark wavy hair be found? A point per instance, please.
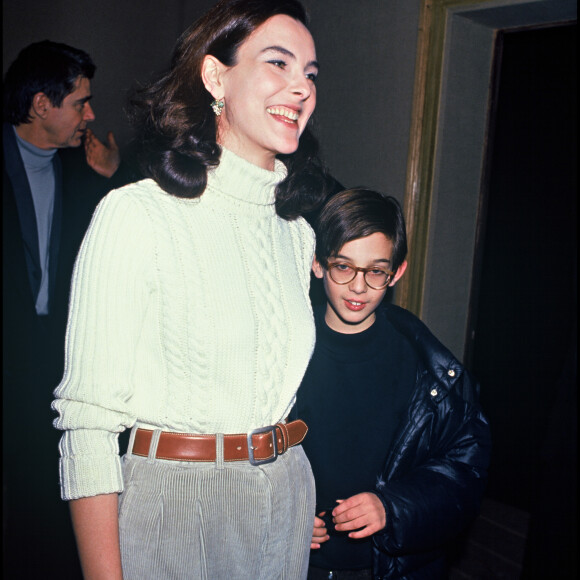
(176, 127)
(357, 213)
(45, 67)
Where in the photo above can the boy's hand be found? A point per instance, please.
(364, 510)
(319, 534)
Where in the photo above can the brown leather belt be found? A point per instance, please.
(189, 447)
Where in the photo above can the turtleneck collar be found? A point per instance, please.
(33, 156)
(354, 348)
(244, 184)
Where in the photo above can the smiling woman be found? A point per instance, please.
(202, 369)
(269, 94)
(179, 132)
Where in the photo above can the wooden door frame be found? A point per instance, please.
(433, 68)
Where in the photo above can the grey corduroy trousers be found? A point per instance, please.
(219, 520)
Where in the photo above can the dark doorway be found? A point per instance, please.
(524, 347)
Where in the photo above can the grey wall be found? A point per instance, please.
(463, 122)
(367, 51)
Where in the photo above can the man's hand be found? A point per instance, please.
(319, 534)
(364, 510)
(104, 158)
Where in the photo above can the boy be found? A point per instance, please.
(397, 442)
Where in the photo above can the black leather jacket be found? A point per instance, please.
(435, 474)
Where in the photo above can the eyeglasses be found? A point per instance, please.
(343, 273)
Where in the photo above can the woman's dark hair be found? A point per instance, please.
(357, 213)
(45, 67)
(176, 125)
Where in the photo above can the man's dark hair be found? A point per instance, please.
(45, 67)
(357, 213)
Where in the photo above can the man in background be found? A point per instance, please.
(51, 186)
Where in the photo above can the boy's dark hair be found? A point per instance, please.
(176, 126)
(357, 213)
(45, 67)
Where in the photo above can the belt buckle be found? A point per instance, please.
(260, 430)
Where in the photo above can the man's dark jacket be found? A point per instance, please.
(33, 346)
(434, 476)
(26, 336)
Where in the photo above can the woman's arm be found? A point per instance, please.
(96, 526)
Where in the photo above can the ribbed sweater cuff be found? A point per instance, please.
(94, 473)
(88, 476)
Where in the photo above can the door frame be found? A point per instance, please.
(443, 200)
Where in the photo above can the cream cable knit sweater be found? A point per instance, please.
(186, 315)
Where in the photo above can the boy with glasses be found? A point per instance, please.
(398, 444)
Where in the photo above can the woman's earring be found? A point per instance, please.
(217, 105)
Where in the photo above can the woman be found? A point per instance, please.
(190, 319)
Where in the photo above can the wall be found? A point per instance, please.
(367, 52)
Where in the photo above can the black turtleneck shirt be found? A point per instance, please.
(353, 398)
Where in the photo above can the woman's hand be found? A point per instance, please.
(319, 534)
(364, 510)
